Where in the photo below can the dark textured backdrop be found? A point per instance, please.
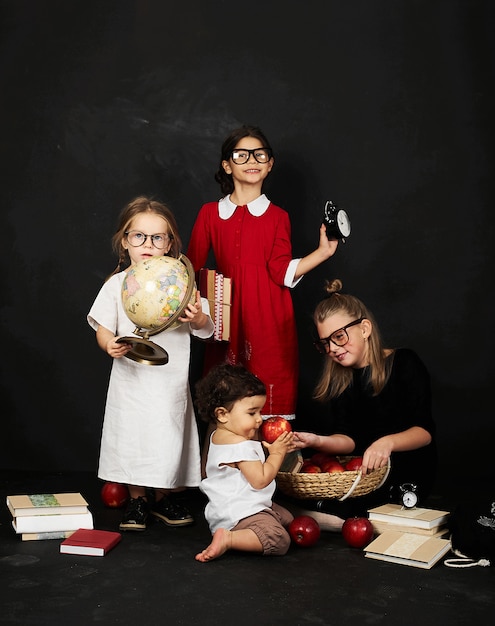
(384, 107)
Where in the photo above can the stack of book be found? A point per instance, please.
(418, 520)
(48, 515)
(415, 537)
(217, 288)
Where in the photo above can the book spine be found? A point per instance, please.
(62, 510)
(227, 298)
(51, 523)
(401, 521)
(56, 534)
(218, 307)
(381, 527)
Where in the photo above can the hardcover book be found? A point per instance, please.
(227, 302)
(55, 534)
(292, 462)
(436, 531)
(46, 504)
(217, 289)
(51, 523)
(408, 549)
(90, 542)
(417, 517)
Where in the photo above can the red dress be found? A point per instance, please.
(255, 252)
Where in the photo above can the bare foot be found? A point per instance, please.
(221, 542)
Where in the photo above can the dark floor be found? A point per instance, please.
(152, 578)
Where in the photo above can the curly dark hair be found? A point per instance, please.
(223, 386)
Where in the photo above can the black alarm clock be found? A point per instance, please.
(408, 495)
(337, 222)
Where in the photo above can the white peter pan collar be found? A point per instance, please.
(257, 207)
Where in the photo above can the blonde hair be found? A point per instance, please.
(335, 378)
(143, 204)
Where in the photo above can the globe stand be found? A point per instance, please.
(147, 352)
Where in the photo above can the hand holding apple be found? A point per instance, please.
(282, 445)
(273, 427)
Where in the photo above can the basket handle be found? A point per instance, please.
(358, 478)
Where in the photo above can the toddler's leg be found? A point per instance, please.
(223, 540)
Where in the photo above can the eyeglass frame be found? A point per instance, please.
(252, 153)
(166, 237)
(324, 342)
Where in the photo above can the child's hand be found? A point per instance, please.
(377, 455)
(327, 246)
(305, 440)
(193, 314)
(281, 445)
(117, 349)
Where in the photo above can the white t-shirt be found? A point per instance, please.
(231, 497)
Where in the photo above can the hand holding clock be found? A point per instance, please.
(337, 222)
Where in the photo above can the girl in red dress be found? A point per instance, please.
(251, 241)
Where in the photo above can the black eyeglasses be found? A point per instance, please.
(135, 238)
(338, 337)
(241, 155)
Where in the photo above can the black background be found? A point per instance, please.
(386, 108)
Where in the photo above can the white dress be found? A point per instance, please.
(150, 434)
(230, 496)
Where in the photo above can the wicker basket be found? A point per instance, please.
(341, 485)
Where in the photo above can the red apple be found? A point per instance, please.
(114, 495)
(304, 531)
(332, 466)
(310, 468)
(357, 531)
(354, 464)
(273, 427)
(322, 457)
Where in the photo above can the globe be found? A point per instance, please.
(156, 291)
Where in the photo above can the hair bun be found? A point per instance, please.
(333, 286)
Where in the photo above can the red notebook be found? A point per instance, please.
(90, 542)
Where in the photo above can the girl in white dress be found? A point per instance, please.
(150, 437)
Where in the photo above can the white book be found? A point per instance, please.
(50, 523)
(417, 517)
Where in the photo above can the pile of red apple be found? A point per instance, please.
(327, 463)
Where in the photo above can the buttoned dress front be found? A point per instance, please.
(252, 246)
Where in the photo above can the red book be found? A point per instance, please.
(90, 542)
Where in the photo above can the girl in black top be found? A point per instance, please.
(380, 403)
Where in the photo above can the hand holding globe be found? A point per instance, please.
(155, 293)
